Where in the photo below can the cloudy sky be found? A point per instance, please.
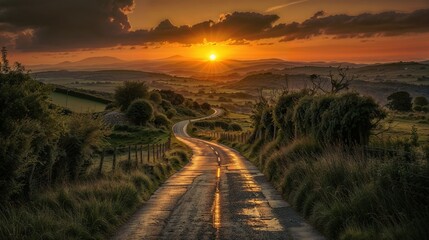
(49, 31)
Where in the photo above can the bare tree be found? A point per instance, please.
(333, 83)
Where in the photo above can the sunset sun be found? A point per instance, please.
(212, 57)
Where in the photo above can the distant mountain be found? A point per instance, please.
(99, 61)
(103, 75)
(233, 69)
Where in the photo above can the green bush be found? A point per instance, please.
(130, 91)
(420, 101)
(140, 112)
(283, 113)
(166, 105)
(350, 119)
(155, 97)
(161, 120)
(302, 116)
(171, 113)
(174, 98)
(84, 135)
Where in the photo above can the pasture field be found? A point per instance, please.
(400, 126)
(76, 104)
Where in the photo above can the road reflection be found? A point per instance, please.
(216, 205)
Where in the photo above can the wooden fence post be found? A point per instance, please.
(137, 155)
(148, 153)
(30, 182)
(114, 160)
(141, 153)
(153, 152)
(157, 151)
(100, 167)
(129, 157)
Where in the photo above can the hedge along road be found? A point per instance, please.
(218, 195)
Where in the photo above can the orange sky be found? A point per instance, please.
(147, 14)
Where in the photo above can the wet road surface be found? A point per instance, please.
(218, 195)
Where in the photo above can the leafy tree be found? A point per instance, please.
(155, 97)
(130, 91)
(29, 129)
(400, 101)
(140, 112)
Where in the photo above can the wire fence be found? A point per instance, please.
(105, 161)
(108, 160)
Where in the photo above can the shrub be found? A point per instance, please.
(83, 136)
(166, 105)
(205, 106)
(417, 108)
(420, 101)
(172, 97)
(130, 91)
(302, 116)
(350, 119)
(267, 122)
(283, 112)
(171, 113)
(161, 120)
(140, 112)
(155, 97)
(182, 110)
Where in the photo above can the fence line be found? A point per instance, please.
(131, 155)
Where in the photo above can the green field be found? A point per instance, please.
(76, 104)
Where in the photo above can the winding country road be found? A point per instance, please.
(218, 195)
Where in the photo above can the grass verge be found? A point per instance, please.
(92, 208)
(345, 194)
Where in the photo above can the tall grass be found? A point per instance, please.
(91, 208)
(347, 194)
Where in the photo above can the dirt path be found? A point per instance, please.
(218, 195)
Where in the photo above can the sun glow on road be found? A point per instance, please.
(212, 57)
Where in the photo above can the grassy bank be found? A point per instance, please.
(93, 207)
(346, 194)
(380, 191)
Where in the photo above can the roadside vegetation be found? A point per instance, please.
(49, 187)
(330, 155)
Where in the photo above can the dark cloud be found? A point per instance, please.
(52, 25)
(363, 25)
